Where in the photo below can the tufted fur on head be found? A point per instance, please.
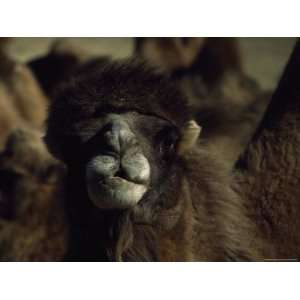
(102, 85)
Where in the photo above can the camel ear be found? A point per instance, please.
(189, 136)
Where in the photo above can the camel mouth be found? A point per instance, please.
(115, 192)
(118, 181)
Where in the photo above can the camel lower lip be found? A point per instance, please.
(115, 180)
(115, 192)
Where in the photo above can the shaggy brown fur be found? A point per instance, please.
(205, 222)
(32, 226)
(270, 169)
(192, 214)
(21, 100)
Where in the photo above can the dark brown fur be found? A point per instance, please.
(270, 169)
(206, 222)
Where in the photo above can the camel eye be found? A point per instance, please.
(168, 138)
(169, 143)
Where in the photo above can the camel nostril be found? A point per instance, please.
(136, 168)
(104, 165)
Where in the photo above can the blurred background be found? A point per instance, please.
(264, 58)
